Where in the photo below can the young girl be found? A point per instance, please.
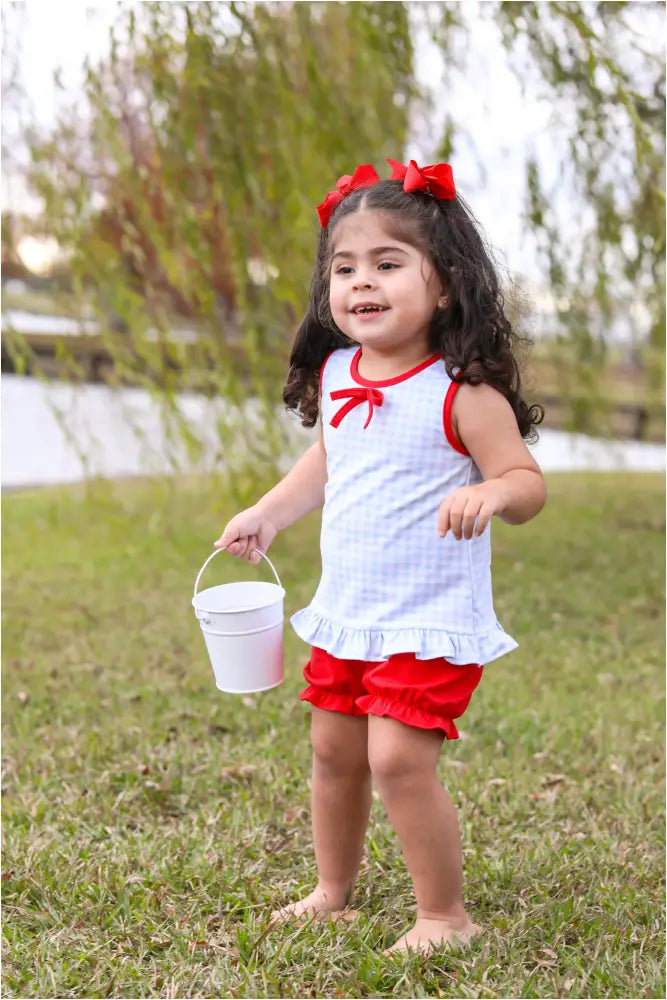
(406, 356)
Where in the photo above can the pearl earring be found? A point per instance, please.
(442, 302)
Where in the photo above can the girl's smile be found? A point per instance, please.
(368, 310)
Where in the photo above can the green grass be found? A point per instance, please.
(151, 823)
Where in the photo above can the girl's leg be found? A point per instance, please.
(403, 761)
(341, 801)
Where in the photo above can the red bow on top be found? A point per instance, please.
(363, 176)
(354, 397)
(436, 178)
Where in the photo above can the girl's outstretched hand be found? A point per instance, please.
(248, 531)
(468, 510)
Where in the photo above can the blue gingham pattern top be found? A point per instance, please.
(389, 583)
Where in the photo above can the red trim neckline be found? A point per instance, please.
(360, 380)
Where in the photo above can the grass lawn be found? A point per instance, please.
(151, 823)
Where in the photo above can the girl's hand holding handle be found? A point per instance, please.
(249, 530)
(468, 510)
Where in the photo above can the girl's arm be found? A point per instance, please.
(301, 491)
(513, 487)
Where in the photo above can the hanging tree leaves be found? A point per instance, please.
(185, 191)
(611, 77)
(594, 189)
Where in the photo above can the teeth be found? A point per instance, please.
(365, 309)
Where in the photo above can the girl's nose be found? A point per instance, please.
(363, 281)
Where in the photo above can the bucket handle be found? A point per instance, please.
(215, 552)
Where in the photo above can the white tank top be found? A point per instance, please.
(389, 583)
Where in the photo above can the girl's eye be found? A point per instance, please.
(385, 265)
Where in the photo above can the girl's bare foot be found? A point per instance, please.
(317, 904)
(427, 935)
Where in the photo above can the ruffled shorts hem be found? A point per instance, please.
(407, 714)
(372, 705)
(332, 701)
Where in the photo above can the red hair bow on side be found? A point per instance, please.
(436, 178)
(363, 176)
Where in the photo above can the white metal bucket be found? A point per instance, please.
(242, 625)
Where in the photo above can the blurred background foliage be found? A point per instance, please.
(615, 89)
(184, 195)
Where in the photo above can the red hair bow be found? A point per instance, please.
(363, 176)
(436, 178)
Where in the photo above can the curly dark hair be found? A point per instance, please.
(472, 332)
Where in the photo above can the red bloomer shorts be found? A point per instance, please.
(427, 694)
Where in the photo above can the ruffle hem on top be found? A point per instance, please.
(373, 645)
